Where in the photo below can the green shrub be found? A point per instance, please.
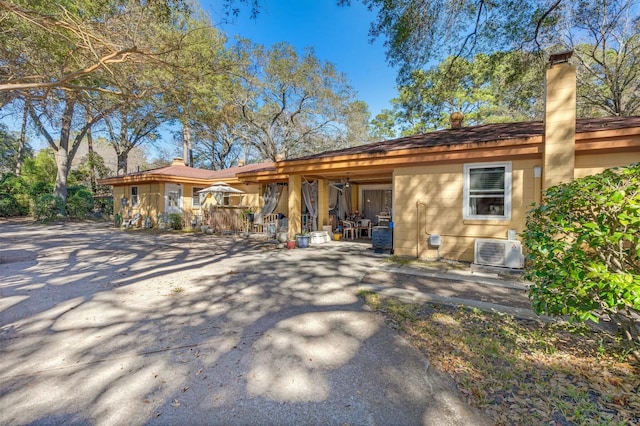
(47, 206)
(105, 205)
(176, 221)
(583, 243)
(39, 188)
(13, 196)
(9, 206)
(79, 203)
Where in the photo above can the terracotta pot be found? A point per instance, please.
(291, 245)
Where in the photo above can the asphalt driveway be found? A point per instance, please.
(102, 326)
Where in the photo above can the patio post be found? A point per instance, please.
(323, 203)
(295, 206)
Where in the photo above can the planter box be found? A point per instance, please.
(319, 237)
(303, 241)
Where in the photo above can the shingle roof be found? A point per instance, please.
(232, 171)
(194, 173)
(477, 134)
(181, 171)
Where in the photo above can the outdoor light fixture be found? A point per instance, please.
(346, 184)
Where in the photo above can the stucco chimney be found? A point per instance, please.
(178, 162)
(559, 121)
(456, 119)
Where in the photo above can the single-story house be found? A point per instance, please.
(448, 191)
(456, 193)
(177, 189)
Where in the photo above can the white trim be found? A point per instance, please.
(195, 197)
(167, 188)
(508, 183)
(137, 196)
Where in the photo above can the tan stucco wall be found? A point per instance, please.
(118, 193)
(252, 197)
(560, 124)
(587, 165)
(429, 200)
(149, 200)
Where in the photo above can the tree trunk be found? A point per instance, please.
(91, 155)
(123, 159)
(23, 138)
(62, 153)
(186, 146)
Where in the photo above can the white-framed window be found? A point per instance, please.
(134, 196)
(195, 197)
(487, 191)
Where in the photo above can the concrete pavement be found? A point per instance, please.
(100, 326)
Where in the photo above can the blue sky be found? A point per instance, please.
(338, 35)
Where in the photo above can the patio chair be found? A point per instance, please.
(364, 225)
(133, 222)
(348, 229)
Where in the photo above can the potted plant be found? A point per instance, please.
(291, 244)
(302, 239)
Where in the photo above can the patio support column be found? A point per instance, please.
(323, 203)
(295, 206)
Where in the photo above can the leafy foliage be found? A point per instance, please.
(606, 48)
(419, 31)
(91, 166)
(501, 87)
(13, 198)
(584, 247)
(9, 149)
(41, 168)
(47, 206)
(294, 104)
(176, 221)
(79, 203)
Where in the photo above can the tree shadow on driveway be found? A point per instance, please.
(106, 327)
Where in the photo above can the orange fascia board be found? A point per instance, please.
(609, 140)
(594, 147)
(145, 178)
(408, 157)
(262, 177)
(506, 148)
(609, 134)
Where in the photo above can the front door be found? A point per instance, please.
(172, 198)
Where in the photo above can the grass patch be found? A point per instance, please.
(523, 371)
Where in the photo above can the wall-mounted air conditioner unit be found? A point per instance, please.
(504, 253)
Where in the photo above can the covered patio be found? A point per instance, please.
(351, 198)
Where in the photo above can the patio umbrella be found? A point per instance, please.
(218, 189)
(222, 187)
